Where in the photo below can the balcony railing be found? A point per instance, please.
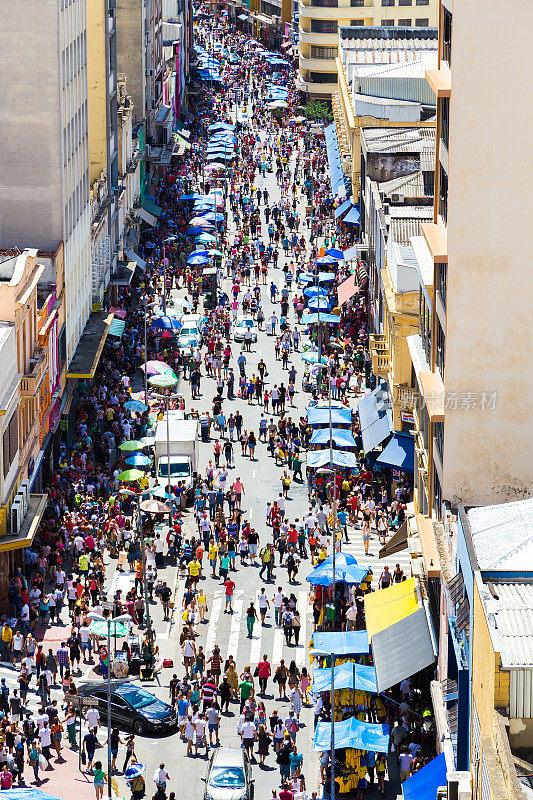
(379, 350)
(30, 383)
(405, 397)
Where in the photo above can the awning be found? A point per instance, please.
(322, 575)
(375, 416)
(162, 114)
(423, 784)
(339, 416)
(242, 17)
(346, 676)
(399, 453)
(343, 208)
(398, 628)
(337, 179)
(397, 542)
(351, 252)
(340, 436)
(123, 274)
(132, 255)
(147, 217)
(24, 538)
(353, 217)
(349, 643)
(87, 356)
(286, 45)
(346, 290)
(313, 319)
(340, 458)
(352, 733)
(117, 328)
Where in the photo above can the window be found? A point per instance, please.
(447, 36)
(323, 52)
(404, 23)
(440, 349)
(323, 77)
(424, 324)
(422, 23)
(385, 3)
(325, 3)
(437, 494)
(438, 432)
(324, 26)
(445, 120)
(387, 22)
(443, 194)
(357, 22)
(357, 3)
(10, 442)
(405, 2)
(422, 2)
(442, 278)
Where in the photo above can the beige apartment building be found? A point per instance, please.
(320, 21)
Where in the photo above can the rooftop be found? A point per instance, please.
(391, 37)
(401, 140)
(509, 612)
(502, 536)
(390, 63)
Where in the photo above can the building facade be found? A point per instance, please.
(44, 186)
(320, 24)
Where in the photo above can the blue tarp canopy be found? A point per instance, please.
(26, 794)
(334, 159)
(399, 453)
(342, 643)
(321, 303)
(325, 277)
(375, 416)
(347, 573)
(343, 208)
(424, 783)
(317, 416)
(353, 733)
(314, 291)
(340, 436)
(353, 217)
(340, 458)
(311, 319)
(346, 676)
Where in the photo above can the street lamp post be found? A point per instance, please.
(146, 305)
(143, 560)
(167, 240)
(316, 652)
(92, 615)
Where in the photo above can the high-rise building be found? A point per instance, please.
(320, 21)
(44, 181)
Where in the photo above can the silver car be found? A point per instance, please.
(242, 324)
(229, 775)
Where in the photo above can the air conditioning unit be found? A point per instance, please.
(16, 517)
(147, 150)
(397, 198)
(150, 73)
(459, 786)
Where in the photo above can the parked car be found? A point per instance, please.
(229, 775)
(241, 324)
(131, 706)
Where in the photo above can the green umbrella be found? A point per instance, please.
(131, 475)
(163, 381)
(100, 628)
(130, 445)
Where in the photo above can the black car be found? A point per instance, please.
(131, 706)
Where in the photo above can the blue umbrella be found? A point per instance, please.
(221, 126)
(139, 460)
(167, 324)
(134, 771)
(198, 260)
(135, 405)
(311, 357)
(201, 222)
(334, 253)
(326, 260)
(205, 238)
(313, 291)
(194, 231)
(324, 277)
(319, 302)
(193, 196)
(161, 492)
(212, 217)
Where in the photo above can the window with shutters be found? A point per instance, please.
(422, 23)
(404, 23)
(10, 442)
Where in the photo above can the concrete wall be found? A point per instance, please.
(31, 208)
(131, 52)
(96, 79)
(488, 451)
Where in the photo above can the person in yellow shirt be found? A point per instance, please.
(6, 640)
(144, 483)
(212, 554)
(194, 568)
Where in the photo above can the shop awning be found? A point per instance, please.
(351, 252)
(313, 319)
(151, 207)
(424, 783)
(24, 538)
(337, 179)
(87, 356)
(352, 733)
(132, 255)
(348, 643)
(375, 416)
(346, 290)
(398, 628)
(340, 436)
(343, 208)
(346, 676)
(340, 458)
(339, 416)
(353, 217)
(117, 328)
(147, 217)
(397, 542)
(399, 453)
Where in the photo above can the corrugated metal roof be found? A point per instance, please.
(401, 140)
(401, 230)
(503, 535)
(512, 617)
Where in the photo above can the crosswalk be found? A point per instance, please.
(10, 674)
(231, 633)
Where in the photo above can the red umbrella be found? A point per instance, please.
(166, 335)
(154, 507)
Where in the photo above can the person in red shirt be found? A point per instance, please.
(230, 588)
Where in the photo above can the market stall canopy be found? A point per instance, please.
(319, 416)
(322, 575)
(319, 458)
(340, 436)
(399, 453)
(342, 643)
(423, 784)
(398, 628)
(319, 302)
(375, 416)
(346, 676)
(100, 629)
(313, 319)
(315, 291)
(353, 733)
(353, 217)
(343, 208)
(347, 289)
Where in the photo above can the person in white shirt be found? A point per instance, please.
(248, 731)
(18, 644)
(189, 734)
(278, 602)
(161, 777)
(41, 720)
(262, 602)
(201, 739)
(92, 716)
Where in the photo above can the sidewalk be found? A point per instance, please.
(64, 780)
